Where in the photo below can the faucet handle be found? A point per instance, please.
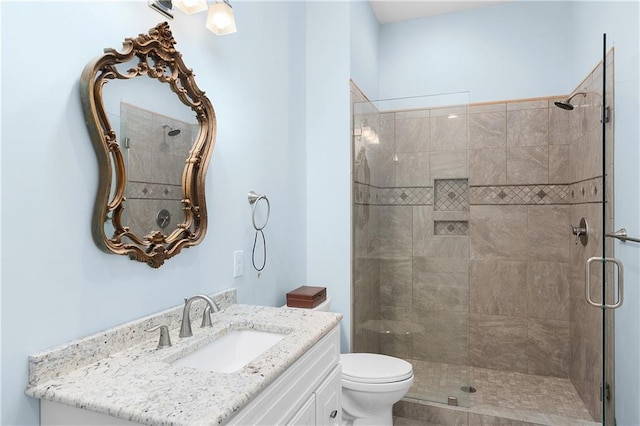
(206, 317)
(165, 339)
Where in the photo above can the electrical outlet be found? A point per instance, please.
(238, 263)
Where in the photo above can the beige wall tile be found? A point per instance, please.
(488, 130)
(497, 232)
(588, 149)
(548, 233)
(498, 342)
(422, 230)
(528, 165)
(440, 284)
(445, 336)
(396, 282)
(449, 165)
(498, 287)
(412, 134)
(528, 127)
(448, 132)
(548, 290)
(446, 246)
(412, 169)
(397, 345)
(549, 351)
(488, 166)
(560, 164)
(394, 236)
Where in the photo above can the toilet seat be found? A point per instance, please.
(374, 368)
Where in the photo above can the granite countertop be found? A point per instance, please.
(137, 383)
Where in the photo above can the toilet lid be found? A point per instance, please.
(374, 368)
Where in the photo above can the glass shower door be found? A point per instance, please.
(612, 269)
(410, 238)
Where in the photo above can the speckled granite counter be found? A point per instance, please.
(113, 373)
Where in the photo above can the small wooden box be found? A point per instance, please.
(306, 297)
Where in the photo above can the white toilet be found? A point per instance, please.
(371, 384)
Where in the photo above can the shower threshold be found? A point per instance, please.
(501, 397)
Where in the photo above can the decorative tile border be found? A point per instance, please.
(156, 191)
(520, 194)
(588, 191)
(401, 196)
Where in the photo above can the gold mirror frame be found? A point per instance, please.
(158, 59)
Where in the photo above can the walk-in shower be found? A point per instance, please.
(464, 262)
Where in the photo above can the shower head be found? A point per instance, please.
(172, 130)
(564, 105)
(567, 103)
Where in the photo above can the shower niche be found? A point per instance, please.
(451, 207)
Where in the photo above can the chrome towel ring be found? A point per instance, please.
(254, 200)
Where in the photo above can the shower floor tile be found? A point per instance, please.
(541, 399)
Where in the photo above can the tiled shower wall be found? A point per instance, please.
(467, 236)
(155, 162)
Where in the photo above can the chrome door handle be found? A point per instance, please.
(587, 281)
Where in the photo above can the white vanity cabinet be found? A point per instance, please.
(323, 407)
(307, 393)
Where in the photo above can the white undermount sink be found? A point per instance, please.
(230, 352)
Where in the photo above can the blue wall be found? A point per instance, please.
(364, 48)
(328, 196)
(56, 285)
(506, 51)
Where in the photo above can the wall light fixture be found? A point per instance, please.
(191, 6)
(220, 18)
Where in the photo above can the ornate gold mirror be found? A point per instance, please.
(153, 131)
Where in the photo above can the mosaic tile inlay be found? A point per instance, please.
(452, 195)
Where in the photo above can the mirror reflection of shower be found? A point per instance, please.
(173, 131)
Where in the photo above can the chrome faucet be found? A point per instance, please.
(185, 328)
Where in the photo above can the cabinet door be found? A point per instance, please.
(306, 415)
(329, 399)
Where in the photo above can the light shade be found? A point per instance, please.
(191, 6)
(220, 19)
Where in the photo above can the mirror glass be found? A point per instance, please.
(153, 131)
